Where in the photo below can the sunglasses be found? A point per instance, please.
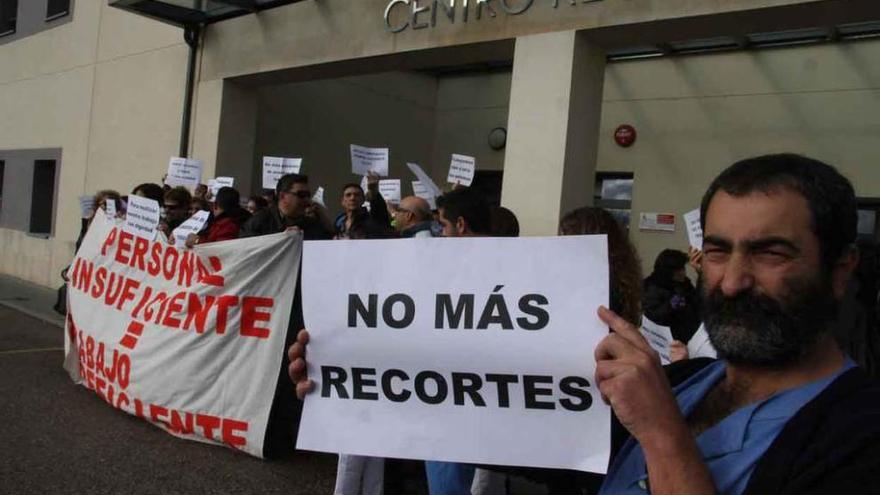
(300, 194)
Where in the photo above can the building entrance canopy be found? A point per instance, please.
(193, 12)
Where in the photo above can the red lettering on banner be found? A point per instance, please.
(174, 306)
(161, 310)
(90, 378)
(205, 276)
(157, 413)
(198, 311)
(128, 292)
(129, 340)
(223, 304)
(250, 315)
(141, 246)
(124, 247)
(120, 399)
(154, 266)
(85, 276)
(178, 426)
(90, 352)
(111, 238)
(98, 288)
(230, 426)
(148, 312)
(168, 271)
(187, 266)
(99, 387)
(113, 290)
(144, 298)
(123, 370)
(139, 409)
(208, 424)
(73, 273)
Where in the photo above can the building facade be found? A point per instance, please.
(94, 97)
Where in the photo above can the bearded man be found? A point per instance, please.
(783, 410)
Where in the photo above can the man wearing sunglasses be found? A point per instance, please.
(293, 208)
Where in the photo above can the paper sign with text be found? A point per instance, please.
(319, 196)
(364, 160)
(184, 172)
(188, 339)
(142, 217)
(700, 346)
(221, 182)
(423, 192)
(275, 166)
(86, 206)
(482, 355)
(659, 337)
(110, 208)
(461, 170)
(694, 229)
(390, 190)
(424, 179)
(193, 225)
(657, 222)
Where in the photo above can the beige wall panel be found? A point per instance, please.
(205, 130)
(318, 121)
(297, 35)
(124, 33)
(136, 118)
(61, 48)
(468, 107)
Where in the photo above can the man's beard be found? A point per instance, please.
(754, 329)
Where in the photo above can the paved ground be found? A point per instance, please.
(58, 437)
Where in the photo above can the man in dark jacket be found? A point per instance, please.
(669, 298)
(784, 410)
(292, 208)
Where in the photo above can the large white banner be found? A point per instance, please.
(188, 339)
(465, 350)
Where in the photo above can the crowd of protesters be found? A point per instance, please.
(791, 313)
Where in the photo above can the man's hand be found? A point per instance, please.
(191, 240)
(631, 380)
(629, 375)
(298, 369)
(678, 351)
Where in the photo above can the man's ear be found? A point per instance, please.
(461, 226)
(843, 269)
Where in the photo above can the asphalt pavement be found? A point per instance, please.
(58, 437)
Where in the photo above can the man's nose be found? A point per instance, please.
(738, 275)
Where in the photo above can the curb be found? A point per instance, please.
(34, 314)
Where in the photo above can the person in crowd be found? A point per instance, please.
(353, 210)
(669, 298)
(504, 222)
(413, 218)
(226, 220)
(176, 204)
(197, 205)
(150, 190)
(783, 410)
(255, 204)
(291, 210)
(201, 192)
(270, 196)
(463, 212)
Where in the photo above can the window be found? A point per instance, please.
(613, 191)
(8, 16)
(43, 197)
(56, 9)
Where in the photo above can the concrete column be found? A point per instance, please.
(225, 128)
(553, 128)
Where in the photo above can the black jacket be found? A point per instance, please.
(684, 317)
(270, 221)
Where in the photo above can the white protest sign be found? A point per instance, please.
(319, 196)
(191, 342)
(461, 170)
(390, 190)
(424, 179)
(657, 222)
(659, 337)
(700, 346)
(221, 182)
(193, 225)
(423, 192)
(184, 172)
(364, 160)
(86, 206)
(275, 166)
(694, 230)
(142, 217)
(110, 208)
(425, 360)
